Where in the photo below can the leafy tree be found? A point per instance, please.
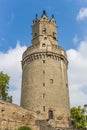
(24, 128)
(4, 86)
(78, 117)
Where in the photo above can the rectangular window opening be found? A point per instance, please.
(43, 95)
(44, 108)
(43, 71)
(66, 84)
(35, 34)
(43, 61)
(44, 84)
(50, 114)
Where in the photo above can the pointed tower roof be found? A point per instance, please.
(44, 15)
(36, 19)
(53, 19)
(36, 16)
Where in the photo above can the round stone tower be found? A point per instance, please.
(44, 77)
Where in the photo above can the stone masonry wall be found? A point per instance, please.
(12, 116)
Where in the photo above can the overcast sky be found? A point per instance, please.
(16, 18)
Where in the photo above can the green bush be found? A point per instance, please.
(24, 128)
(78, 117)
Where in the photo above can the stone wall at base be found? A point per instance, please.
(13, 116)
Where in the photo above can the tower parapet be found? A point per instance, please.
(44, 77)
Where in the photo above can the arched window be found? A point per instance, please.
(44, 31)
(43, 45)
(45, 38)
(51, 81)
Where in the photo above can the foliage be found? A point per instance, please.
(24, 128)
(4, 86)
(78, 117)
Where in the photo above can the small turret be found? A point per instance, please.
(44, 13)
(52, 15)
(36, 16)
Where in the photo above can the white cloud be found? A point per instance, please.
(77, 74)
(82, 14)
(76, 39)
(10, 63)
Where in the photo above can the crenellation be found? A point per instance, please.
(55, 49)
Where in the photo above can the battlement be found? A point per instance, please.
(34, 52)
(44, 18)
